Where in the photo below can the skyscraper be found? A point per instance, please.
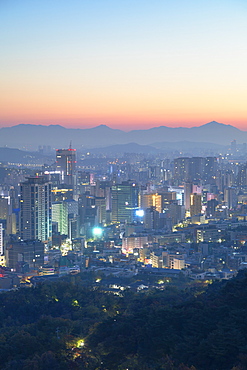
(35, 209)
(195, 169)
(187, 192)
(195, 204)
(124, 201)
(66, 162)
(1, 239)
(60, 216)
(181, 169)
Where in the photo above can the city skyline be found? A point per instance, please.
(125, 65)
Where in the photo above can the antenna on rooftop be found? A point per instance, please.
(70, 145)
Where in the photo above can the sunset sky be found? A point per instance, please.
(124, 63)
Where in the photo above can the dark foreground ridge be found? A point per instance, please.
(70, 324)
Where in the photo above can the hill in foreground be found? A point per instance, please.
(68, 324)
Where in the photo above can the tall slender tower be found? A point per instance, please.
(195, 204)
(35, 209)
(187, 192)
(66, 162)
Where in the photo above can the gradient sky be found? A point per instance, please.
(123, 63)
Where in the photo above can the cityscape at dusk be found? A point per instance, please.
(126, 64)
(123, 185)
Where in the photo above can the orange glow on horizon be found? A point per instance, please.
(161, 64)
(126, 110)
(123, 124)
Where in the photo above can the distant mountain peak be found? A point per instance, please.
(213, 123)
(104, 128)
(101, 126)
(32, 136)
(60, 126)
(31, 125)
(217, 124)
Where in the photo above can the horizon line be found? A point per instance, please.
(86, 127)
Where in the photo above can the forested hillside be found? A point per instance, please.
(67, 325)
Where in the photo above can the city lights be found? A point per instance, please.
(97, 232)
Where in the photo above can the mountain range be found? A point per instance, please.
(29, 137)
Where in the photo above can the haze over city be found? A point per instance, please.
(123, 185)
(126, 64)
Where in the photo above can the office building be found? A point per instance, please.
(100, 204)
(66, 162)
(35, 209)
(124, 201)
(195, 169)
(151, 200)
(187, 193)
(29, 251)
(181, 170)
(60, 217)
(151, 218)
(195, 204)
(1, 239)
(230, 197)
(4, 208)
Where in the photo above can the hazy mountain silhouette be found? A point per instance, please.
(10, 155)
(186, 145)
(126, 148)
(26, 136)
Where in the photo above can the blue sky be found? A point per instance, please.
(123, 63)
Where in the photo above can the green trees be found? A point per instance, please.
(63, 325)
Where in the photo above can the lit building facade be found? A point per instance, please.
(60, 216)
(124, 201)
(133, 242)
(35, 209)
(1, 239)
(195, 204)
(66, 163)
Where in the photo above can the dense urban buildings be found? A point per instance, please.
(168, 212)
(129, 223)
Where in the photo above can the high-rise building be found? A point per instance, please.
(182, 169)
(211, 207)
(230, 197)
(210, 170)
(66, 162)
(233, 147)
(151, 200)
(175, 212)
(151, 218)
(195, 204)
(4, 208)
(100, 203)
(187, 192)
(242, 176)
(1, 239)
(195, 169)
(124, 201)
(60, 216)
(35, 209)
